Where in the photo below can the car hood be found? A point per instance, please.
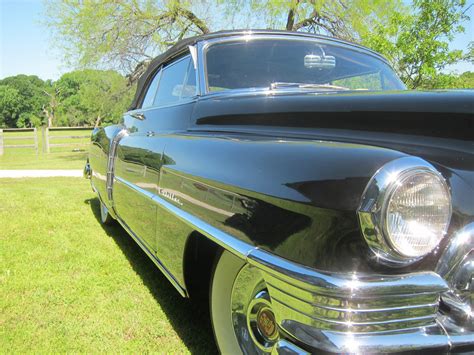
(448, 114)
(435, 125)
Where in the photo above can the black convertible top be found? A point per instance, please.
(184, 43)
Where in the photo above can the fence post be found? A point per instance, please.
(36, 140)
(45, 131)
(1, 141)
(47, 140)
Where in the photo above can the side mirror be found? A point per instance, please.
(319, 61)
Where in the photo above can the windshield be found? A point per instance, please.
(297, 63)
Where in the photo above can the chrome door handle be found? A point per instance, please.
(138, 115)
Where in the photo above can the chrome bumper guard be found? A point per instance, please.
(367, 314)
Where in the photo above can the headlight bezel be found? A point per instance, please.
(373, 208)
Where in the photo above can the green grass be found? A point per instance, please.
(69, 284)
(58, 158)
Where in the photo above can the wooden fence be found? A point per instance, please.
(47, 137)
(32, 139)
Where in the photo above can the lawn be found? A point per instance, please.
(72, 157)
(67, 284)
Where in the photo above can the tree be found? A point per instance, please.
(450, 81)
(469, 56)
(417, 44)
(120, 34)
(126, 35)
(30, 88)
(89, 97)
(11, 106)
(346, 19)
(33, 98)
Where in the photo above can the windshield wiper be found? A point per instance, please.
(280, 84)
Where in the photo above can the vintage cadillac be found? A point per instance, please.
(293, 180)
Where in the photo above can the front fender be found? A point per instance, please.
(294, 198)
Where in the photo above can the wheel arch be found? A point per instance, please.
(199, 257)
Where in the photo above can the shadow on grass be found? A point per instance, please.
(190, 319)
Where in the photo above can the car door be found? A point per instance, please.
(139, 155)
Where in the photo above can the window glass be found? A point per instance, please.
(298, 64)
(361, 82)
(151, 92)
(189, 89)
(172, 83)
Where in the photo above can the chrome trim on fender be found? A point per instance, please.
(358, 313)
(456, 266)
(230, 243)
(371, 211)
(111, 165)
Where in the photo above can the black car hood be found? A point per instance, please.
(447, 114)
(435, 125)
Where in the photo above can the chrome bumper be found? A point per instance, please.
(354, 313)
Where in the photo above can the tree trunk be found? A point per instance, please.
(97, 121)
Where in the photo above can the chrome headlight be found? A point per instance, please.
(405, 211)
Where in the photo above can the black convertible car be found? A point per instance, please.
(293, 180)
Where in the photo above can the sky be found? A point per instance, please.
(25, 44)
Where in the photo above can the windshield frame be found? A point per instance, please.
(204, 46)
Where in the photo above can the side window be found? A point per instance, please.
(151, 92)
(172, 84)
(189, 88)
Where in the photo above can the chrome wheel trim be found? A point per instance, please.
(239, 302)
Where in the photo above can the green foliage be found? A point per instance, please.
(79, 98)
(31, 88)
(11, 105)
(450, 81)
(119, 34)
(469, 56)
(91, 96)
(31, 91)
(347, 19)
(417, 43)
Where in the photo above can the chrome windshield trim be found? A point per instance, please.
(204, 45)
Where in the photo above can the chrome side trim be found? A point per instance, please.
(150, 254)
(232, 244)
(372, 209)
(346, 285)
